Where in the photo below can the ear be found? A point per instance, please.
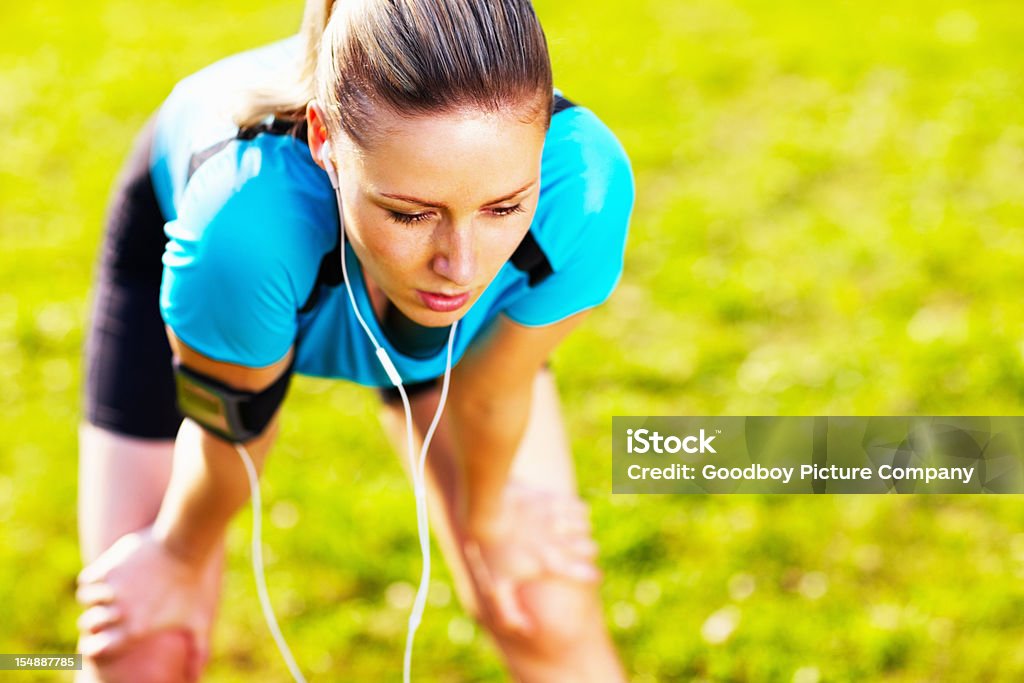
(316, 132)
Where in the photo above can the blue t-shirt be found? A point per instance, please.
(249, 228)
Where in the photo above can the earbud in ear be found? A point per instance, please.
(325, 158)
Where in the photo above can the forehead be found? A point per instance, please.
(453, 158)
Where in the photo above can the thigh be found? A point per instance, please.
(121, 483)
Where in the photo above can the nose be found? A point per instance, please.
(456, 260)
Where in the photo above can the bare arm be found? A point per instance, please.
(208, 483)
(152, 579)
(491, 392)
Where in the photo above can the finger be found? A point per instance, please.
(526, 493)
(95, 594)
(583, 548)
(477, 567)
(569, 517)
(98, 618)
(510, 612)
(581, 571)
(545, 500)
(198, 654)
(94, 572)
(104, 643)
(571, 526)
(570, 505)
(563, 564)
(482, 584)
(199, 632)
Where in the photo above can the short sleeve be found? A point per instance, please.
(235, 269)
(581, 224)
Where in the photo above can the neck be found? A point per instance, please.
(407, 336)
(378, 300)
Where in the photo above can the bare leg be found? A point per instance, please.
(121, 484)
(571, 642)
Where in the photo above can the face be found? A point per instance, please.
(436, 206)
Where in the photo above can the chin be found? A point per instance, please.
(429, 318)
(421, 315)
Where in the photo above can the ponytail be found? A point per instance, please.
(287, 100)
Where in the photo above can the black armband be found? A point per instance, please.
(232, 414)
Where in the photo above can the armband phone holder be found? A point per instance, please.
(232, 414)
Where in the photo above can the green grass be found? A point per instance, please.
(827, 223)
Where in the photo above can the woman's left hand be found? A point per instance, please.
(534, 533)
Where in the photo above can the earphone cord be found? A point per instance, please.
(416, 466)
(257, 566)
(417, 471)
(422, 522)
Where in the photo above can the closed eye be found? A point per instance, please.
(507, 210)
(407, 218)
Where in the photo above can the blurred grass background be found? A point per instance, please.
(828, 222)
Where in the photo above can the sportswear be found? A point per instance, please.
(252, 228)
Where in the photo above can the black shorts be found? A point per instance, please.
(129, 378)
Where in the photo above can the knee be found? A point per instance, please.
(158, 658)
(564, 616)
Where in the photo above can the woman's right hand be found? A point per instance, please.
(138, 587)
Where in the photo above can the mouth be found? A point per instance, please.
(443, 303)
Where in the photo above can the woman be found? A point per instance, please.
(470, 194)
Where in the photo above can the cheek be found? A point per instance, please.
(392, 247)
(499, 244)
(498, 248)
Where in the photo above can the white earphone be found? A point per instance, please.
(416, 467)
(325, 159)
(382, 355)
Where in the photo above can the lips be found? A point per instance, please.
(442, 303)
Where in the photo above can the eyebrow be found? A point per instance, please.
(435, 205)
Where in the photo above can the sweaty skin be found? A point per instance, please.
(438, 204)
(430, 209)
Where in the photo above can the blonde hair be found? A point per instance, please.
(413, 57)
(288, 100)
